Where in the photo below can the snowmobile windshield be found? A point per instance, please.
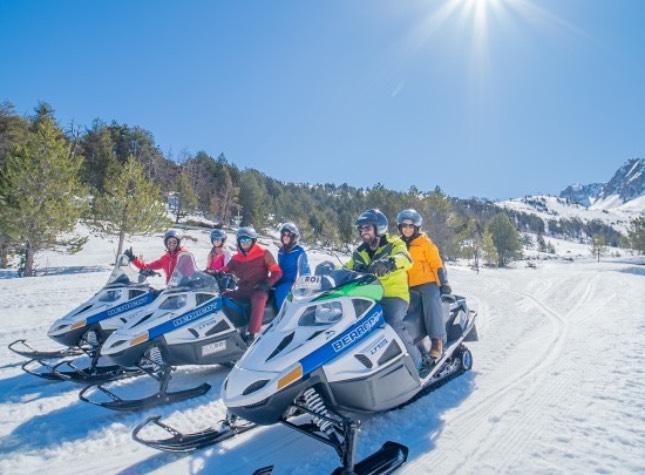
(124, 274)
(337, 282)
(186, 275)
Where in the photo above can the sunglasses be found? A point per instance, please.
(244, 239)
(286, 233)
(407, 225)
(365, 227)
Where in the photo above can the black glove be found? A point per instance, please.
(227, 281)
(445, 289)
(148, 272)
(380, 267)
(263, 286)
(360, 268)
(129, 254)
(324, 268)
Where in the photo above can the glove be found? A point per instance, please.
(263, 286)
(215, 273)
(227, 282)
(148, 272)
(360, 268)
(324, 268)
(129, 254)
(445, 289)
(380, 267)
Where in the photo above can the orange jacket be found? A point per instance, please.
(426, 261)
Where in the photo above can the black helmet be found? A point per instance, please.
(176, 233)
(293, 229)
(246, 232)
(218, 234)
(374, 217)
(411, 215)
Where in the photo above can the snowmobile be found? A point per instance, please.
(190, 324)
(328, 357)
(83, 330)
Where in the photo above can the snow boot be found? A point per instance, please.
(436, 349)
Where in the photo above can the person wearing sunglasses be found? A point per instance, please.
(167, 262)
(386, 257)
(428, 277)
(292, 259)
(257, 271)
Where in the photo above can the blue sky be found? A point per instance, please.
(488, 98)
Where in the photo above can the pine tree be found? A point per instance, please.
(636, 234)
(131, 204)
(506, 239)
(185, 198)
(489, 249)
(40, 193)
(598, 246)
(253, 199)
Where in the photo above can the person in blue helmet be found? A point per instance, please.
(292, 259)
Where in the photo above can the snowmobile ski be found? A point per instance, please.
(158, 399)
(33, 354)
(188, 442)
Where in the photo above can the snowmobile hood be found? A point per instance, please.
(311, 331)
(112, 300)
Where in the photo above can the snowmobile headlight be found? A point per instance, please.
(328, 313)
(139, 339)
(294, 375)
(80, 324)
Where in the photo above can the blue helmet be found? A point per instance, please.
(218, 234)
(410, 215)
(374, 217)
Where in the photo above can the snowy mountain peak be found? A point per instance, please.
(627, 184)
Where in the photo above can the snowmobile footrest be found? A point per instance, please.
(385, 460)
(96, 375)
(187, 442)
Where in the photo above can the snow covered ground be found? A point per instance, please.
(557, 387)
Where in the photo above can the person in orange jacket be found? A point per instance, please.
(427, 276)
(172, 241)
(257, 271)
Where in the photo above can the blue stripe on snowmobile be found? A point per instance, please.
(186, 318)
(126, 307)
(348, 338)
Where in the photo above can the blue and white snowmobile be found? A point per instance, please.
(191, 323)
(83, 330)
(328, 357)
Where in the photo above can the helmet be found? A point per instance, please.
(248, 232)
(176, 233)
(293, 229)
(411, 215)
(374, 217)
(218, 234)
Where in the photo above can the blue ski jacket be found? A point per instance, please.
(292, 262)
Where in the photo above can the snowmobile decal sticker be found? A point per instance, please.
(111, 312)
(186, 318)
(351, 336)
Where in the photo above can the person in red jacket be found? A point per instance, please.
(257, 271)
(172, 240)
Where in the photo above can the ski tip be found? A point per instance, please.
(264, 470)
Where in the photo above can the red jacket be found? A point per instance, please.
(253, 268)
(167, 262)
